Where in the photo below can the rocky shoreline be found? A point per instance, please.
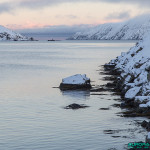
(130, 78)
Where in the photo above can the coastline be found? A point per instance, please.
(130, 78)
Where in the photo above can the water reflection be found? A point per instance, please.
(77, 94)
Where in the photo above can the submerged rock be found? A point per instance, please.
(74, 82)
(144, 124)
(75, 106)
(101, 89)
(104, 108)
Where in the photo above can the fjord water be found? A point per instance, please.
(32, 114)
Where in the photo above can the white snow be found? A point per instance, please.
(134, 29)
(135, 68)
(148, 135)
(76, 79)
(142, 98)
(6, 34)
(131, 93)
(143, 105)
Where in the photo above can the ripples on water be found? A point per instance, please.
(31, 111)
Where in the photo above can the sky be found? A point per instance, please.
(70, 14)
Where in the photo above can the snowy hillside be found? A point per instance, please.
(135, 72)
(6, 34)
(133, 29)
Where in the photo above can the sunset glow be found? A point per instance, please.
(23, 14)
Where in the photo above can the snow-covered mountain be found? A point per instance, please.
(133, 29)
(7, 34)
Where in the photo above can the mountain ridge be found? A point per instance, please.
(133, 29)
(9, 35)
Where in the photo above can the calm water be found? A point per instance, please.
(31, 111)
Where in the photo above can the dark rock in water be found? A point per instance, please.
(98, 90)
(111, 131)
(116, 136)
(129, 103)
(116, 105)
(104, 108)
(117, 93)
(144, 124)
(75, 106)
(109, 66)
(64, 87)
(122, 105)
(109, 78)
(97, 94)
(110, 85)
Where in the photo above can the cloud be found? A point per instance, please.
(54, 29)
(71, 16)
(120, 16)
(44, 3)
(39, 4)
(46, 32)
(66, 16)
(5, 7)
(143, 2)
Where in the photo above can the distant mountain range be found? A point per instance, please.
(133, 29)
(7, 34)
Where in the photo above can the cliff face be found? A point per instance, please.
(6, 34)
(133, 29)
(134, 66)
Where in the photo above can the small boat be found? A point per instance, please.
(52, 40)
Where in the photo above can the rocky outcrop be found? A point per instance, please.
(75, 82)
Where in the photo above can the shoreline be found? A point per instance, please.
(130, 107)
(131, 92)
(129, 76)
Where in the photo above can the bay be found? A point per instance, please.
(32, 114)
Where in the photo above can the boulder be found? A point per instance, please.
(75, 82)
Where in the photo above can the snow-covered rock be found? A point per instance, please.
(6, 34)
(134, 66)
(77, 81)
(131, 93)
(134, 29)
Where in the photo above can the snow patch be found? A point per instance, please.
(148, 135)
(131, 93)
(76, 79)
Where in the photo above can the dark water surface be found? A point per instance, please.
(31, 111)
